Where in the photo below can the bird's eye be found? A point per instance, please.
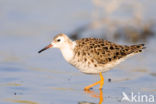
(58, 40)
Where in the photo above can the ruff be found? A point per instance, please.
(92, 55)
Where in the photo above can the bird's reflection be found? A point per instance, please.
(94, 94)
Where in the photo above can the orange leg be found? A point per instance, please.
(101, 82)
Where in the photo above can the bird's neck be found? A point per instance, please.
(68, 51)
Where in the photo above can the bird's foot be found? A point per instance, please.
(88, 88)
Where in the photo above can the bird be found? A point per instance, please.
(92, 55)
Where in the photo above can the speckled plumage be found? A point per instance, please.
(103, 51)
(98, 55)
(92, 55)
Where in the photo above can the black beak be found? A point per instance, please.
(45, 48)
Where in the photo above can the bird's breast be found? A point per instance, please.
(67, 54)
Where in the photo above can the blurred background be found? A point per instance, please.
(26, 26)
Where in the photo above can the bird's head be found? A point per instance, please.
(59, 41)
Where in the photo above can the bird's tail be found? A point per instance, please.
(138, 48)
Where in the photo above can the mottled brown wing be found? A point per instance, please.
(103, 51)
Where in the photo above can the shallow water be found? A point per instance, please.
(32, 78)
(27, 77)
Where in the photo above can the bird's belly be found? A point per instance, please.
(88, 69)
(91, 68)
